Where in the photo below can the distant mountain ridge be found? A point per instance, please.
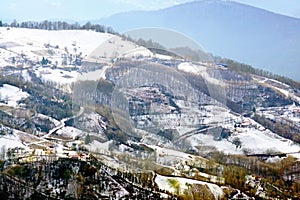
(247, 34)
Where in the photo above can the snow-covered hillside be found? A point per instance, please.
(11, 141)
(33, 43)
(62, 57)
(10, 95)
(54, 45)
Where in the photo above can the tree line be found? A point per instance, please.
(282, 128)
(59, 25)
(280, 175)
(248, 69)
(63, 25)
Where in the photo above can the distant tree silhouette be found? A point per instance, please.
(87, 139)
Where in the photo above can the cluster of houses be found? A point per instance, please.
(243, 123)
(240, 124)
(55, 152)
(246, 123)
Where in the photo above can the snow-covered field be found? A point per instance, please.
(90, 44)
(171, 154)
(69, 132)
(59, 76)
(164, 184)
(4, 56)
(11, 95)
(253, 141)
(93, 75)
(99, 147)
(11, 141)
(188, 67)
(117, 47)
(41, 116)
(31, 41)
(61, 48)
(63, 79)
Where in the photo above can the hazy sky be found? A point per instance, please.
(80, 10)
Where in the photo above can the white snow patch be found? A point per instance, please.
(26, 75)
(163, 57)
(29, 40)
(11, 95)
(11, 141)
(45, 117)
(163, 183)
(61, 77)
(285, 92)
(56, 75)
(253, 140)
(188, 67)
(93, 75)
(99, 147)
(70, 132)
